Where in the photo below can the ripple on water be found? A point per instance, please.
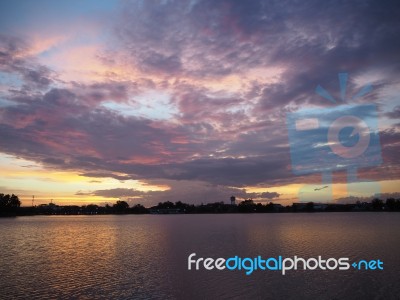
(145, 257)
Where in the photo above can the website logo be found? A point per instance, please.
(283, 265)
(343, 137)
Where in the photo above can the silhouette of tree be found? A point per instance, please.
(247, 206)
(121, 207)
(9, 204)
(139, 209)
(269, 207)
(377, 204)
(392, 204)
(91, 209)
(167, 204)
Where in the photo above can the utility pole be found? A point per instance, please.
(33, 199)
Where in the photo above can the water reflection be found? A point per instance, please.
(142, 257)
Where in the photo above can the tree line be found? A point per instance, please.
(11, 205)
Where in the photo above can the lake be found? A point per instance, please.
(146, 256)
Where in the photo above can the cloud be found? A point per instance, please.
(14, 59)
(223, 76)
(106, 175)
(269, 195)
(395, 114)
(60, 129)
(189, 191)
(239, 36)
(113, 193)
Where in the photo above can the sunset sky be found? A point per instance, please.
(150, 101)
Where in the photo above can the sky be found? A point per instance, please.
(149, 101)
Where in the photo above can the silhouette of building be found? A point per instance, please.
(233, 200)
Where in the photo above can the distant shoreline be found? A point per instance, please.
(208, 213)
(169, 208)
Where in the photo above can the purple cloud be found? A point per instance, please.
(225, 124)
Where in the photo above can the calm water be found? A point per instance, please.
(145, 257)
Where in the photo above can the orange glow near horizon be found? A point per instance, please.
(29, 178)
(26, 178)
(289, 193)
